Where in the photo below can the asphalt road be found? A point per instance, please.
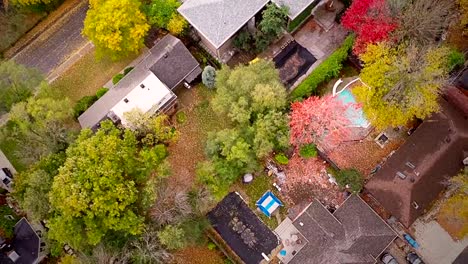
(54, 46)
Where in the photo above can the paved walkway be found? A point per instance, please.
(57, 44)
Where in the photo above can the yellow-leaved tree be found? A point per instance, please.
(116, 27)
(177, 24)
(401, 83)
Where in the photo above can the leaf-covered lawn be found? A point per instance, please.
(188, 151)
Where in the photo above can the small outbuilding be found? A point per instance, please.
(241, 229)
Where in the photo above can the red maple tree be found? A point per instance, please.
(371, 20)
(319, 120)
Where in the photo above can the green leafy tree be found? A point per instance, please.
(116, 27)
(231, 146)
(95, 192)
(40, 127)
(160, 12)
(31, 187)
(17, 83)
(245, 91)
(209, 77)
(254, 100)
(270, 131)
(177, 24)
(350, 178)
(244, 41)
(274, 20)
(172, 236)
(401, 83)
(150, 129)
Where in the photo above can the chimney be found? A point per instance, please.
(13, 255)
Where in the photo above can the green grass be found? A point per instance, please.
(294, 24)
(255, 190)
(88, 75)
(7, 225)
(207, 118)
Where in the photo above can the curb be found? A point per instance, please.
(31, 36)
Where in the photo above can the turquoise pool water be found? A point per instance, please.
(356, 116)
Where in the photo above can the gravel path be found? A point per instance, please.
(56, 44)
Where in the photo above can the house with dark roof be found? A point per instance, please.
(241, 229)
(218, 21)
(24, 248)
(414, 176)
(148, 87)
(353, 233)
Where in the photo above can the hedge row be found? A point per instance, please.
(86, 101)
(327, 70)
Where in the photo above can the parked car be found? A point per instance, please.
(388, 259)
(413, 258)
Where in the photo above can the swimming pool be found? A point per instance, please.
(356, 116)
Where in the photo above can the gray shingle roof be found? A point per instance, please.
(25, 242)
(169, 60)
(352, 234)
(219, 20)
(295, 6)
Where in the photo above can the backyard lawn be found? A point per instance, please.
(193, 121)
(254, 190)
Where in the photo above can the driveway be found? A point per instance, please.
(54, 46)
(436, 245)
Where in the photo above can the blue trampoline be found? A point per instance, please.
(268, 203)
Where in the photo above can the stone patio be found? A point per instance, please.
(292, 240)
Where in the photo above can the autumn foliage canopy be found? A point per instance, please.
(318, 120)
(371, 20)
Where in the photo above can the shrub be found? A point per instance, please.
(350, 177)
(281, 159)
(209, 77)
(173, 237)
(127, 70)
(211, 246)
(308, 151)
(181, 117)
(261, 42)
(244, 41)
(177, 24)
(83, 104)
(102, 91)
(327, 70)
(455, 60)
(117, 78)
